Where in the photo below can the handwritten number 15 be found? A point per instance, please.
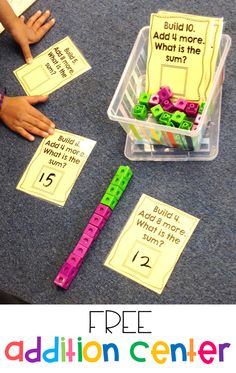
(49, 179)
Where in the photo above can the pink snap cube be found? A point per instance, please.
(86, 240)
(103, 211)
(97, 221)
(65, 276)
(75, 260)
(197, 119)
(180, 104)
(168, 106)
(92, 231)
(154, 100)
(194, 127)
(191, 109)
(80, 250)
(165, 93)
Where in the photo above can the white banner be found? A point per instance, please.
(107, 338)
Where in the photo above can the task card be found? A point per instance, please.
(19, 6)
(55, 166)
(151, 242)
(182, 54)
(52, 69)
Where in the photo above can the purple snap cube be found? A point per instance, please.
(92, 231)
(103, 211)
(97, 221)
(191, 109)
(168, 106)
(180, 104)
(165, 93)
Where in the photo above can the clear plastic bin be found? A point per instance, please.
(147, 140)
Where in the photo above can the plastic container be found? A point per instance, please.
(148, 140)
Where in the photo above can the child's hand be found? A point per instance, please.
(31, 31)
(21, 117)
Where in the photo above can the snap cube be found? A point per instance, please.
(170, 124)
(103, 211)
(80, 250)
(140, 112)
(86, 240)
(154, 100)
(191, 109)
(194, 127)
(165, 93)
(125, 171)
(144, 99)
(157, 111)
(201, 107)
(97, 221)
(109, 201)
(114, 190)
(197, 119)
(180, 104)
(66, 274)
(167, 106)
(91, 231)
(75, 260)
(165, 118)
(120, 181)
(62, 280)
(177, 118)
(186, 125)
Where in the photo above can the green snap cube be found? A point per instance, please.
(165, 118)
(201, 107)
(124, 171)
(144, 99)
(157, 111)
(140, 112)
(177, 118)
(114, 190)
(109, 201)
(120, 181)
(186, 125)
(170, 124)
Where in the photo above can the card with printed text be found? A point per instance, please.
(182, 54)
(151, 243)
(55, 166)
(52, 69)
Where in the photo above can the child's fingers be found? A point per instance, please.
(38, 115)
(26, 52)
(41, 20)
(45, 28)
(40, 124)
(30, 127)
(21, 131)
(33, 18)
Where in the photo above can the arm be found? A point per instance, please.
(7, 16)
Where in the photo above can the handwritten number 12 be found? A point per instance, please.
(142, 257)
